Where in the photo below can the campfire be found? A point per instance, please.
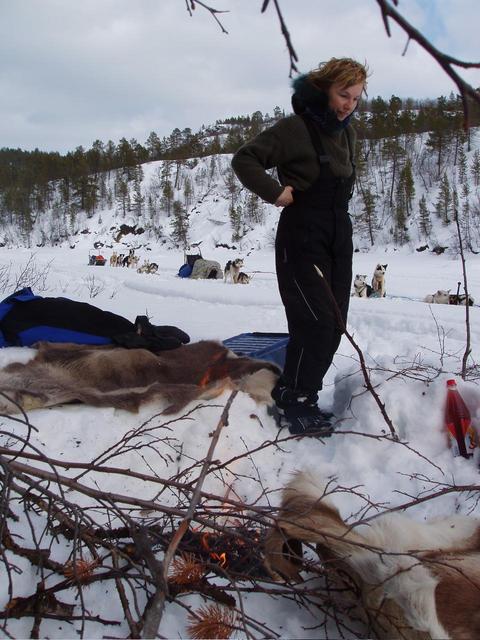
(238, 551)
(216, 370)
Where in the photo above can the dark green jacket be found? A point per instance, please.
(288, 147)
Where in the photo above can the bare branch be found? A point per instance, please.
(155, 613)
(366, 377)
(468, 347)
(286, 35)
(445, 61)
(191, 5)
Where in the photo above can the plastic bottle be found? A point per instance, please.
(462, 436)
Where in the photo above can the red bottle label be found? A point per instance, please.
(463, 436)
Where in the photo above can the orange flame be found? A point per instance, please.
(220, 558)
(210, 372)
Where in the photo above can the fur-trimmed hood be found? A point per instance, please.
(309, 100)
(305, 94)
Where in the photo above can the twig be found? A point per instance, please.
(445, 61)
(191, 4)
(154, 615)
(363, 366)
(291, 51)
(468, 348)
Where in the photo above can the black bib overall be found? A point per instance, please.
(315, 230)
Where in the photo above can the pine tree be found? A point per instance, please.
(462, 165)
(232, 185)
(443, 206)
(408, 185)
(109, 155)
(441, 132)
(393, 115)
(179, 225)
(126, 158)
(238, 230)
(138, 199)
(167, 196)
(256, 124)
(122, 194)
(379, 109)
(212, 170)
(253, 209)
(154, 146)
(369, 217)
(95, 157)
(475, 169)
(392, 152)
(187, 192)
(465, 221)
(400, 232)
(424, 221)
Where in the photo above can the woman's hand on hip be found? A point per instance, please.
(285, 198)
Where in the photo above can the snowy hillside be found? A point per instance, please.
(404, 200)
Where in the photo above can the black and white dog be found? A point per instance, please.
(243, 278)
(461, 298)
(232, 270)
(360, 287)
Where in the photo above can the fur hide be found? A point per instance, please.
(404, 579)
(110, 376)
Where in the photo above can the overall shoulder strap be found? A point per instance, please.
(323, 158)
(350, 149)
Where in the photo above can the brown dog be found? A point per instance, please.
(406, 579)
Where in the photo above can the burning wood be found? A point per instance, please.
(216, 370)
(238, 551)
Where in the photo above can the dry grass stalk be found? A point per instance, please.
(80, 570)
(186, 570)
(212, 621)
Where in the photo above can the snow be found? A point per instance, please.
(411, 349)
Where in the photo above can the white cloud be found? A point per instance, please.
(74, 72)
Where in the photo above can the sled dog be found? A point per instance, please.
(378, 280)
(360, 287)
(232, 270)
(403, 578)
(439, 297)
(461, 298)
(243, 278)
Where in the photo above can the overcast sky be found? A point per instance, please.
(73, 71)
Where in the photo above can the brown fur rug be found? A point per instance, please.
(127, 378)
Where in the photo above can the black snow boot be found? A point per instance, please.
(299, 412)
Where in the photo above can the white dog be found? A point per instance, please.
(232, 270)
(404, 579)
(439, 297)
(378, 280)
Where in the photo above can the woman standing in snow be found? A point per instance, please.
(313, 152)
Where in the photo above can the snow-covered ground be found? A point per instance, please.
(411, 349)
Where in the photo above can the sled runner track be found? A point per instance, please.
(205, 296)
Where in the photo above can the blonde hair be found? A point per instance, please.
(344, 71)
